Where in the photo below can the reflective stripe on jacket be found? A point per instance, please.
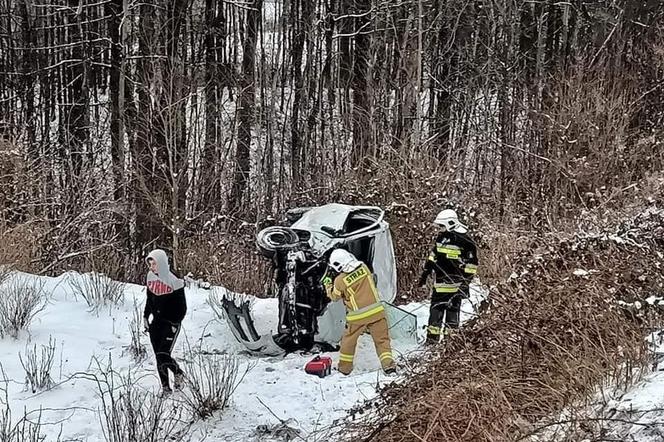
(360, 295)
(453, 260)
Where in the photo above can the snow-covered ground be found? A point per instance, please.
(637, 414)
(274, 389)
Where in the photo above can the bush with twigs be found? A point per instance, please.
(136, 348)
(38, 366)
(27, 429)
(21, 298)
(97, 289)
(130, 414)
(211, 380)
(220, 258)
(564, 325)
(22, 244)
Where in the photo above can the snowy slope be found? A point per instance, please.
(637, 414)
(274, 387)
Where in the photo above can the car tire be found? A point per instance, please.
(272, 239)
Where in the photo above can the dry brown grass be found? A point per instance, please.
(411, 193)
(230, 261)
(548, 339)
(20, 246)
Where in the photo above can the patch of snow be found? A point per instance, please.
(635, 414)
(654, 300)
(617, 239)
(275, 391)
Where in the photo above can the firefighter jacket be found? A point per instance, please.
(359, 293)
(453, 259)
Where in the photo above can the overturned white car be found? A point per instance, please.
(299, 253)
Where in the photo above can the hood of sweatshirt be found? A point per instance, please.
(163, 281)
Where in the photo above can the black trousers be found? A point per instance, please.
(163, 335)
(445, 306)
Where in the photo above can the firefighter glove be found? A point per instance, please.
(327, 281)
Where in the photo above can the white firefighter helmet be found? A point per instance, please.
(343, 261)
(448, 218)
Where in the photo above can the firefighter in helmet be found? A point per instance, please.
(453, 260)
(365, 312)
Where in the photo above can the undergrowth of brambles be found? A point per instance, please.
(554, 331)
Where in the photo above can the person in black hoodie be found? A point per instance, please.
(454, 262)
(165, 308)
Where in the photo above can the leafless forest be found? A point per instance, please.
(187, 123)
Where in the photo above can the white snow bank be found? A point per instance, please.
(274, 386)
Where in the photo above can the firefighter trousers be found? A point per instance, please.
(381, 338)
(444, 306)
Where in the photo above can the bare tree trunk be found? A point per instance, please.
(360, 84)
(239, 200)
(209, 184)
(297, 150)
(143, 168)
(174, 120)
(302, 15)
(341, 8)
(114, 9)
(418, 61)
(28, 79)
(76, 123)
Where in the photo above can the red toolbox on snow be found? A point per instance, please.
(320, 366)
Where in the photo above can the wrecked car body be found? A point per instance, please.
(299, 252)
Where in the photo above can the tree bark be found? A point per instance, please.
(239, 198)
(114, 10)
(360, 85)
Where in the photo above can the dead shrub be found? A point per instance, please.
(108, 261)
(552, 334)
(233, 263)
(129, 414)
(136, 348)
(21, 245)
(38, 366)
(21, 298)
(500, 245)
(97, 289)
(211, 380)
(27, 429)
(586, 131)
